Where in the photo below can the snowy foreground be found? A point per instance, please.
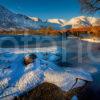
(15, 78)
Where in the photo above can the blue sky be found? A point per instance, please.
(45, 9)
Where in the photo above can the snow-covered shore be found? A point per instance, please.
(16, 78)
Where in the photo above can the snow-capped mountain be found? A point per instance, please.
(36, 19)
(9, 19)
(76, 22)
(57, 21)
(94, 21)
(83, 21)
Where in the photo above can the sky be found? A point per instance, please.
(45, 9)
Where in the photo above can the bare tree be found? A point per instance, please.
(90, 6)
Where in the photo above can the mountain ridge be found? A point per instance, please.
(9, 20)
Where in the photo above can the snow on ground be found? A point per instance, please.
(27, 50)
(15, 78)
(91, 40)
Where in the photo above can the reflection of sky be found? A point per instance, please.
(45, 8)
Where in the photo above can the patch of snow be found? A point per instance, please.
(66, 79)
(57, 21)
(36, 19)
(27, 50)
(92, 40)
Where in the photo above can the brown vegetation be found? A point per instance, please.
(92, 31)
(42, 31)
